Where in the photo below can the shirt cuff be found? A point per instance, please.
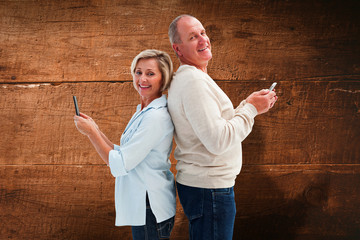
(252, 109)
(116, 163)
(248, 107)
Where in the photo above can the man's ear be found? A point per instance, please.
(176, 49)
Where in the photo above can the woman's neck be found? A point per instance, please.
(146, 101)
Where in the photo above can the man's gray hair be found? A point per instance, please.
(173, 30)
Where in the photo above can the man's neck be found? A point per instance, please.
(202, 68)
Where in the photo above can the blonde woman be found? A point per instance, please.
(144, 186)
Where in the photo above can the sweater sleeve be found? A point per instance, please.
(203, 109)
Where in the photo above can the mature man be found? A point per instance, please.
(208, 134)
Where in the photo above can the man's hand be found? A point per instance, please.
(262, 100)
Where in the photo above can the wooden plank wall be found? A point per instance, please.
(301, 173)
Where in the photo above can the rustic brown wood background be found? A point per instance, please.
(301, 173)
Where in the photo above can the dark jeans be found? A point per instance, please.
(152, 230)
(211, 212)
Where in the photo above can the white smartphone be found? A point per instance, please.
(272, 86)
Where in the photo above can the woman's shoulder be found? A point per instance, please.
(159, 114)
(158, 119)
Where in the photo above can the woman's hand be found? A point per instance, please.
(85, 124)
(91, 120)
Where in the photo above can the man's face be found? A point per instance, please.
(195, 48)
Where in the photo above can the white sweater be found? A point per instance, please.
(208, 130)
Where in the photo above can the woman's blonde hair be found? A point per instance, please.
(164, 63)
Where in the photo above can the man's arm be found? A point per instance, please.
(203, 111)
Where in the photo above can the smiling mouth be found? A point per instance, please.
(203, 49)
(144, 86)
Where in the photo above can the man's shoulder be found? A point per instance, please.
(186, 75)
(188, 72)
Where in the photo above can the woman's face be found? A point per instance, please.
(148, 79)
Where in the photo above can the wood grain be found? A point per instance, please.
(312, 122)
(39, 120)
(298, 202)
(47, 41)
(300, 178)
(76, 202)
(58, 202)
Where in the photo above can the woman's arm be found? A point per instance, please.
(100, 145)
(87, 126)
(155, 126)
(108, 142)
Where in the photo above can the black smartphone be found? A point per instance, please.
(76, 106)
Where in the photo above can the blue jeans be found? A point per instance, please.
(211, 212)
(152, 230)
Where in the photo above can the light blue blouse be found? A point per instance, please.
(141, 164)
